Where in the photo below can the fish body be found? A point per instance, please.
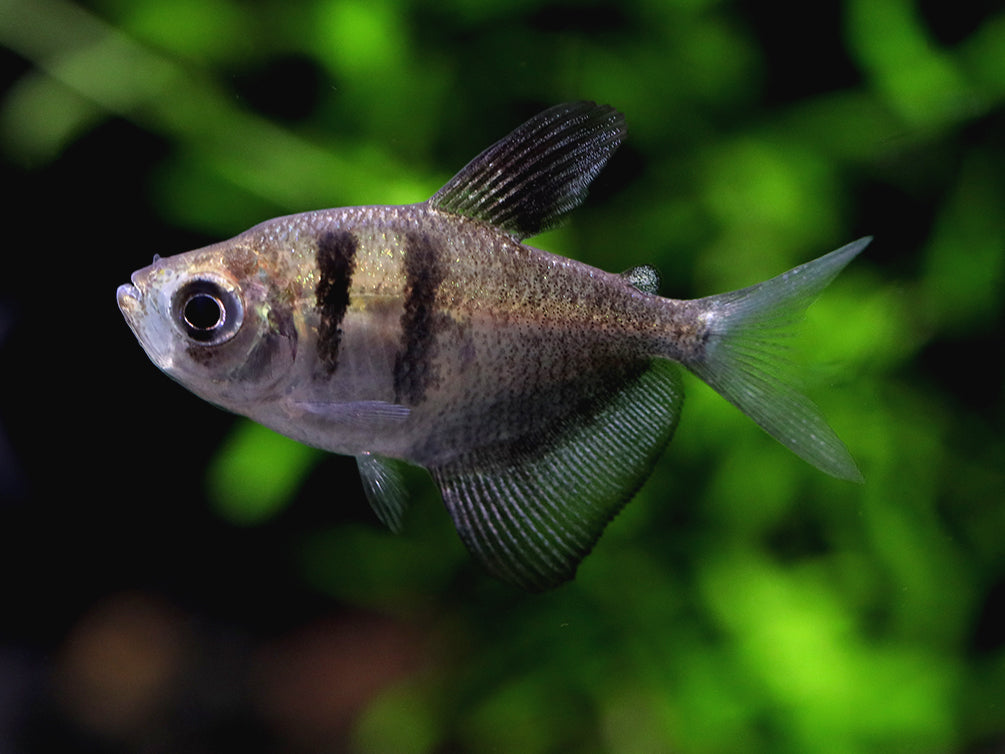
(537, 390)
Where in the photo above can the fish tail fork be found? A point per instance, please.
(742, 358)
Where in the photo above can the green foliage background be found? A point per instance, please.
(744, 601)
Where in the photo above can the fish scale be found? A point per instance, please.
(538, 391)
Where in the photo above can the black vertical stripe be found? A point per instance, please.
(336, 262)
(413, 368)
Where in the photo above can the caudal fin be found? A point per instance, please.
(743, 359)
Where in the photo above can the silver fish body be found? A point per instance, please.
(537, 390)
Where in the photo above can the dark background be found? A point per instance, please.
(175, 579)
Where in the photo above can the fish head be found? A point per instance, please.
(213, 319)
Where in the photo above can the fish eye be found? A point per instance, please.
(204, 313)
(207, 311)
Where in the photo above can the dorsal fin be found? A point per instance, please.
(526, 182)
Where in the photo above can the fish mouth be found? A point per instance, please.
(129, 299)
(134, 300)
(130, 295)
(127, 295)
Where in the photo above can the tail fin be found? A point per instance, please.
(742, 359)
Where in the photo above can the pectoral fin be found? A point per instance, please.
(376, 414)
(531, 517)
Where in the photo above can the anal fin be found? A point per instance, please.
(532, 516)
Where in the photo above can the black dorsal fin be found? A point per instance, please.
(532, 516)
(524, 183)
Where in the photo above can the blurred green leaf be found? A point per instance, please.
(256, 472)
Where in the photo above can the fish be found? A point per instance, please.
(537, 391)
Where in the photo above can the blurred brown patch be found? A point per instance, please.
(117, 669)
(312, 683)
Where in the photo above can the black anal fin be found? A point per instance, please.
(524, 183)
(532, 516)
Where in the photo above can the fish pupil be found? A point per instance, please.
(204, 312)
